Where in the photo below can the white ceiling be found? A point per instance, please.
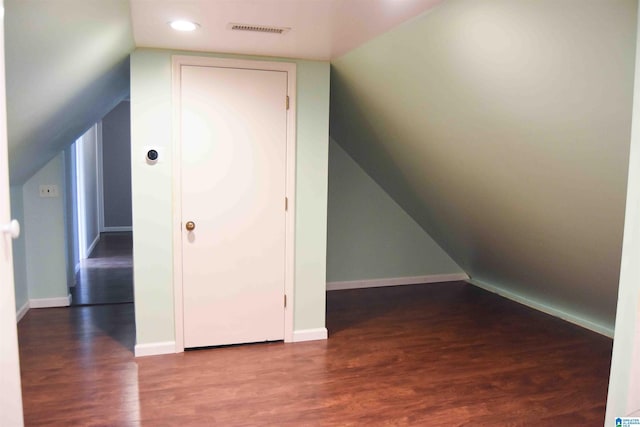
(320, 29)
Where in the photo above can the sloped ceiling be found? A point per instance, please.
(66, 67)
(502, 127)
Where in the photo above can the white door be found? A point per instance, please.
(11, 394)
(233, 152)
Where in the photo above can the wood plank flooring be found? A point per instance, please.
(428, 355)
(106, 277)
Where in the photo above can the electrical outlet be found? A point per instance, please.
(49, 190)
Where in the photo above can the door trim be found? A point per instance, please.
(290, 191)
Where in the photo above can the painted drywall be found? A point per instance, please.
(502, 127)
(116, 167)
(152, 193)
(624, 381)
(66, 67)
(87, 166)
(19, 251)
(368, 235)
(44, 230)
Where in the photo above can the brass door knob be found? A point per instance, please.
(190, 225)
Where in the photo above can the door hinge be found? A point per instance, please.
(285, 301)
(286, 203)
(287, 102)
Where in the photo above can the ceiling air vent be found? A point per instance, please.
(259, 28)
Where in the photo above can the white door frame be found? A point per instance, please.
(289, 277)
(10, 381)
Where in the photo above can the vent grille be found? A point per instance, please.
(259, 28)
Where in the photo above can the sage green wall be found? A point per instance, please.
(44, 233)
(368, 235)
(502, 127)
(624, 381)
(152, 193)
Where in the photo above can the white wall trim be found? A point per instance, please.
(290, 190)
(20, 313)
(92, 246)
(310, 334)
(396, 281)
(599, 328)
(155, 348)
(50, 302)
(117, 229)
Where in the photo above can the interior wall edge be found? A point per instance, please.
(575, 318)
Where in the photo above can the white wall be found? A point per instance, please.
(153, 202)
(369, 236)
(44, 232)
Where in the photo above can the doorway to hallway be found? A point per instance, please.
(99, 213)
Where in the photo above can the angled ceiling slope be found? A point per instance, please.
(66, 67)
(502, 127)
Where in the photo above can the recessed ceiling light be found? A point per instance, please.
(182, 25)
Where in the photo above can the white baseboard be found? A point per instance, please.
(93, 244)
(117, 229)
(155, 348)
(310, 335)
(599, 328)
(396, 281)
(50, 302)
(22, 311)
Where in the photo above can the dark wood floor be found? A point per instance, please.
(429, 355)
(106, 277)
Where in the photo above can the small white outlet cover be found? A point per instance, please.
(49, 190)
